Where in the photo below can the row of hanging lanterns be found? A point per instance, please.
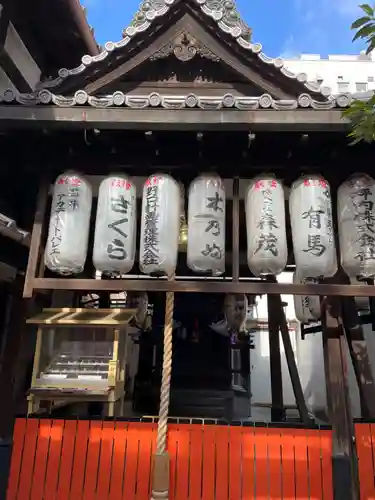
(310, 208)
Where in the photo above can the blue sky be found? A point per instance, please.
(283, 27)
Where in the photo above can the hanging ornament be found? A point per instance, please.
(160, 225)
(115, 226)
(206, 225)
(310, 209)
(356, 222)
(306, 307)
(267, 251)
(236, 308)
(69, 224)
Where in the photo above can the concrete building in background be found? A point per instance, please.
(342, 73)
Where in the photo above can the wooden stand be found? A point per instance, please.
(64, 391)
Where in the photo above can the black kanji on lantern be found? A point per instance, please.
(315, 246)
(116, 250)
(56, 237)
(268, 243)
(314, 217)
(214, 227)
(151, 230)
(214, 202)
(213, 251)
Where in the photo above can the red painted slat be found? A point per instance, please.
(248, 463)
(208, 483)
(92, 462)
(105, 463)
(54, 458)
(131, 462)
(41, 457)
(182, 464)
(79, 462)
(118, 461)
(28, 458)
(19, 434)
(302, 472)
(66, 463)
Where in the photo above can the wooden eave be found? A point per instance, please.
(245, 58)
(78, 317)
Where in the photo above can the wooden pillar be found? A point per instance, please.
(33, 267)
(277, 408)
(291, 361)
(343, 452)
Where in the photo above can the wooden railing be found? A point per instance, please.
(82, 459)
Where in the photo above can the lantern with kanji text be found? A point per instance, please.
(69, 225)
(115, 226)
(206, 225)
(160, 225)
(267, 251)
(310, 209)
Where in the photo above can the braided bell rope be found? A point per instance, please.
(161, 441)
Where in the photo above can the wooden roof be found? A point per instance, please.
(210, 29)
(56, 33)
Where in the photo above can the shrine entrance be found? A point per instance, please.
(201, 268)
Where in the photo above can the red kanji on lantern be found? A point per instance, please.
(259, 185)
(62, 180)
(75, 181)
(273, 183)
(128, 185)
(323, 183)
(307, 182)
(117, 183)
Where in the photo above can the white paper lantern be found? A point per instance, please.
(356, 221)
(115, 226)
(160, 225)
(306, 307)
(310, 209)
(206, 225)
(267, 251)
(69, 225)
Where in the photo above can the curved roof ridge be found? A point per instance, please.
(223, 12)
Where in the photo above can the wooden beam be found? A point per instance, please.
(36, 241)
(277, 408)
(81, 117)
(201, 286)
(291, 361)
(343, 457)
(359, 356)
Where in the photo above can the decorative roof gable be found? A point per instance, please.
(223, 12)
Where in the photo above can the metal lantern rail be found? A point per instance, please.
(312, 234)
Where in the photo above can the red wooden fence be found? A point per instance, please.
(87, 460)
(365, 443)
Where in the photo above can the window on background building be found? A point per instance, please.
(361, 87)
(370, 79)
(343, 86)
